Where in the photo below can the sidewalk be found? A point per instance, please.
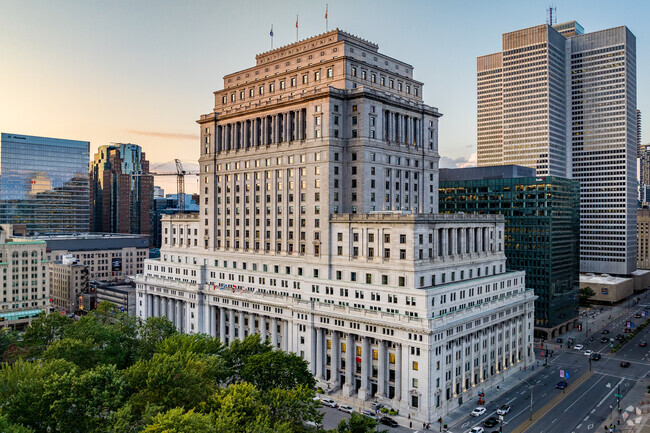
(493, 396)
(635, 417)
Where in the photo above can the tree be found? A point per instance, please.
(152, 331)
(180, 380)
(357, 424)
(293, 406)
(84, 354)
(45, 329)
(277, 369)
(185, 343)
(238, 352)
(8, 345)
(178, 421)
(83, 402)
(584, 294)
(7, 427)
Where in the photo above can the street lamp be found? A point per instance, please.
(531, 398)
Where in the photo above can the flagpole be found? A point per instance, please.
(296, 28)
(326, 22)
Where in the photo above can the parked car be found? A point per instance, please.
(346, 408)
(595, 356)
(328, 402)
(561, 384)
(589, 352)
(578, 347)
(478, 411)
(625, 364)
(559, 340)
(627, 330)
(369, 414)
(313, 425)
(390, 422)
(604, 331)
(477, 430)
(503, 410)
(643, 344)
(604, 340)
(490, 422)
(637, 316)
(620, 337)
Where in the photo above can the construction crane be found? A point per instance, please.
(180, 181)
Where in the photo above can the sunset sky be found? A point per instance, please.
(144, 71)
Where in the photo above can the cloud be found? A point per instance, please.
(168, 135)
(460, 162)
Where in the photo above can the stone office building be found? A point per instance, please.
(318, 229)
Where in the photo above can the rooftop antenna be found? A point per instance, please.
(552, 15)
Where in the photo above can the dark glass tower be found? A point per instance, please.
(541, 232)
(44, 183)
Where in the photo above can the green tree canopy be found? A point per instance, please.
(584, 294)
(357, 423)
(178, 421)
(277, 369)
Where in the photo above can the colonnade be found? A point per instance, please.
(173, 309)
(402, 129)
(454, 240)
(261, 131)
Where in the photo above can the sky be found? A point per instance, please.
(144, 71)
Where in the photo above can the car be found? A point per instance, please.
(642, 344)
(559, 340)
(637, 316)
(369, 414)
(490, 422)
(477, 430)
(589, 352)
(346, 408)
(478, 411)
(595, 356)
(620, 337)
(313, 425)
(503, 410)
(625, 364)
(627, 330)
(578, 347)
(604, 340)
(328, 402)
(561, 384)
(390, 422)
(604, 331)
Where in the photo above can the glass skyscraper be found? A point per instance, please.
(541, 231)
(44, 183)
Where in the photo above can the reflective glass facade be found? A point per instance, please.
(541, 233)
(44, 183)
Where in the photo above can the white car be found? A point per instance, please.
(503, 410)
(369, 414)
(328, 402)
(346, 408)
(477, 430)
(578, 347)
(589, 352)
(478, 412)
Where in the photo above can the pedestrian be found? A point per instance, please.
(428, 426)
(618, 421)
(424, 426)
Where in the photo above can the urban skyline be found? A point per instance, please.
(130, 67)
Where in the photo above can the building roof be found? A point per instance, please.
(92, 241)
(484, 173)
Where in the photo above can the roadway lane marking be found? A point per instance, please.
(553, 420)
(609, 393)
(576, 400)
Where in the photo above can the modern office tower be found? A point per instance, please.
(68, 280)
(541, 231)
(121, 190)
(644, 173)
(25, 294)
(564, 102)
(319, 230)
(643, 230)
(44, 183)
(168, 206)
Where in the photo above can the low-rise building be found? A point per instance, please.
(121, 294)
(109, 256)
(68, 280)
(25, 279)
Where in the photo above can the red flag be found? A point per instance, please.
(296, 21)
(358, 359)
(325, 13)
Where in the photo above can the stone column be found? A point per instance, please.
(172, 310)
(366, 357)
(213, 321)
(206, 315)
(398, 372)
(222, 325)
(181, 317)
(231, 326)
(274, 333)
(285, 126)
(381, 368)
(251, 324)
(242, 326)
(263, 327)
(348, 387)
(177, 315)
(156, 307)
(454, 241)
(285, 335)
(336, 357)
(318, 360)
